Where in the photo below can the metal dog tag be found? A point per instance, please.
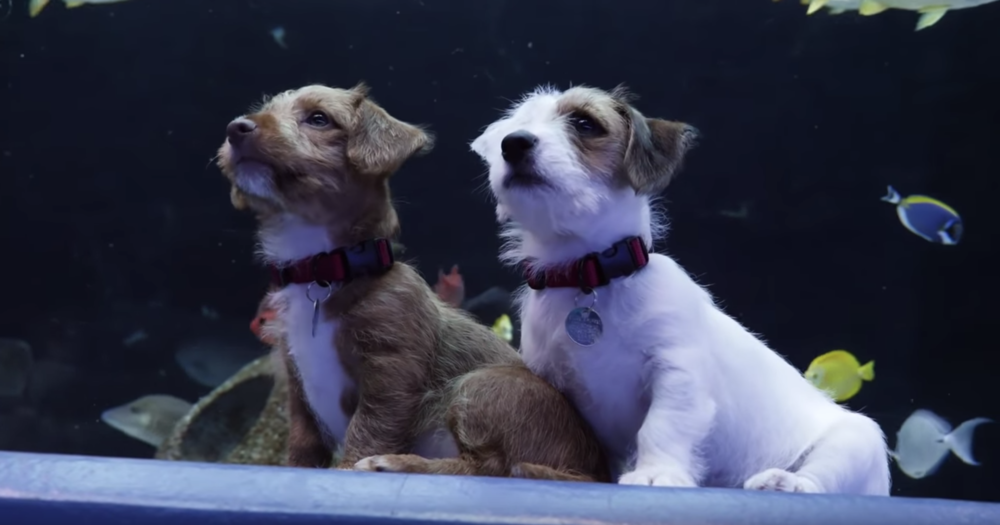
(584, 324)
(317, 301)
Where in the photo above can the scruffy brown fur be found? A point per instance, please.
(418, 363)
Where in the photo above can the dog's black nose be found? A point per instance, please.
(238, 129)
(517, 144)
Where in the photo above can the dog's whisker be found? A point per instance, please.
(212, 161)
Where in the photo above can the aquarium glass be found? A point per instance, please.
(838, 196)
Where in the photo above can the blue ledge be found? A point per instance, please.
(41, 489)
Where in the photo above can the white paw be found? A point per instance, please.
(780, 481)
(659, 476)
(376, 464)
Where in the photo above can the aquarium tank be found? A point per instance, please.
(834, 198)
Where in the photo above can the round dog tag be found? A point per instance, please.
(584, 326)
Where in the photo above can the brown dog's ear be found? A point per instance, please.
(380, 143)
(655, 151)
(236, 197)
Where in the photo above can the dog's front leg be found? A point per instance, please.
(390, 397)
(679, 418)
(305, 440)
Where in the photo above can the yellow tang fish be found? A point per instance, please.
(839, 373)
(504, 328)
(36, 6)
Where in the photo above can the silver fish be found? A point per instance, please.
(924, 440)
(149, 419)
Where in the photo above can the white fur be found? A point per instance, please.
(253, 177)
(679, 392)
(323, 376)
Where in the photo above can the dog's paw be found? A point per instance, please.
(780, 481)
(658, 477)
(379, 464)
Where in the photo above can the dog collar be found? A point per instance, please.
(622, 259)
(367, 258)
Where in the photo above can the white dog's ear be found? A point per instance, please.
(655, 151)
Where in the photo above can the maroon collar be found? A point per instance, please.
(371, 257)
(623, 258)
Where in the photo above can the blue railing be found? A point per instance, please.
(42, 489)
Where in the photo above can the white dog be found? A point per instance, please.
(679, 393)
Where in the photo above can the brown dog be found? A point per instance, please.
(376, 362)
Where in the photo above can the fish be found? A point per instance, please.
(927, 217)
(16, 364)
(839, 374)
(278, 34)
(212, 361)
(924, 440)
(35, 6)
(149, 419)
(504, 328)
(931, 11)
(450, 287)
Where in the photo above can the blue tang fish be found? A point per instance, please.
(929, 218)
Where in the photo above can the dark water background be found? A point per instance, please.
(109, 116)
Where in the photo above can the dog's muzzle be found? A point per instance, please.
(239, 129)
(517, 146)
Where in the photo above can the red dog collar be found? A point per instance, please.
(371, 257)
(623, 258)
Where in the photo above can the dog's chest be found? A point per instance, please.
(324, 378)
(604, 381)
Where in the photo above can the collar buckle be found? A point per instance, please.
(367, 258)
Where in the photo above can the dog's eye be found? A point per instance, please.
(318, 119)
(585, 125)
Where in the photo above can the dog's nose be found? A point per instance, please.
(238, 129)
(517, 144)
